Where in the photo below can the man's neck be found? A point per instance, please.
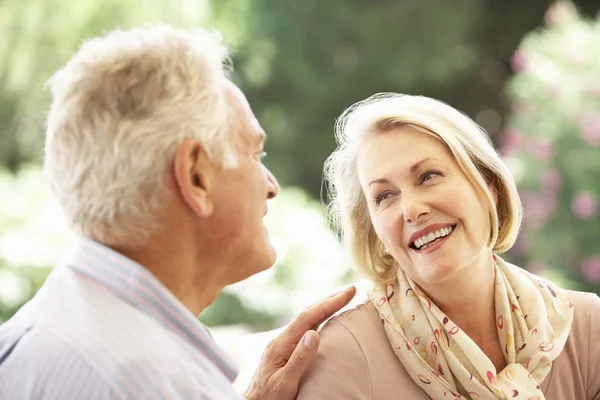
(195, 283)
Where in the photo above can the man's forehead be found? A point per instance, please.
(251, 130)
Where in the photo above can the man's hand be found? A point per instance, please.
(287, 356)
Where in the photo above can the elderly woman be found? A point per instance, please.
(426, 204)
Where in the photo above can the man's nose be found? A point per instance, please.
(273, 186)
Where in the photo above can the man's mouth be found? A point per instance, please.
(431, 238)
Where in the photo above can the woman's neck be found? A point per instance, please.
(468, 299)
(469, 294)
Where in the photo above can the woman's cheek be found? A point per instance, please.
(390, 230)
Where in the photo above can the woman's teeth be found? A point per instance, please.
(427, 240)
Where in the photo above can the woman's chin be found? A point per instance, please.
(437, 273)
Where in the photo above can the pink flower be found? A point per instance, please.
(518, 61)
(510, 142)
(584, 205)
(590, 129)
(591, 269)
(537, 208)
(542, 148)
(551, 180)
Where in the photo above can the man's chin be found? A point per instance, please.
(260, 263)
(270, 257)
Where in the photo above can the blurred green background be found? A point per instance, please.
(527, 71)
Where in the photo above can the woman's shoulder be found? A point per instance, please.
(587, 306)
(341, 369)
(358, 318)
(586, 322)
(360, 330)
(361, 324)
(356, 361)
(585, 299)
(576, 372)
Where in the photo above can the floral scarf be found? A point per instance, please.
(533, 319)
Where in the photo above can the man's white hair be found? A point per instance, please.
(121, 107)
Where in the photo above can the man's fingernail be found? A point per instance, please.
(309, 341)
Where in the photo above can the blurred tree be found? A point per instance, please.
(17, 286)
(553, 146)
(38, 36)
(32, 232)
(302, 62)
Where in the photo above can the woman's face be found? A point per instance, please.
(422, 206)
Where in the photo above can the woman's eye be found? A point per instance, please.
(429, 175)
(381, 197)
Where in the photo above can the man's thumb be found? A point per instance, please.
(303, 354)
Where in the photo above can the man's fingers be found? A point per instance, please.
(317, 313)
(289, 354)
(349, 290)
(303, 354)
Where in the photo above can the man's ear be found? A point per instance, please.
(194, 174)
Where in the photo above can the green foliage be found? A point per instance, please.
(38, 36)
(301, 63)
(553, 146)
(32, 234)
(18, 285)
(228, 309)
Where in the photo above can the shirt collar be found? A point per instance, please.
(136, 285)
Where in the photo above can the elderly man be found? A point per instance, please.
(155, 157)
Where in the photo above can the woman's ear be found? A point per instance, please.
(194, 174)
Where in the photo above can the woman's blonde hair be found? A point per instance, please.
(467, 142)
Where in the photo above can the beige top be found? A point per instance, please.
(356, 361)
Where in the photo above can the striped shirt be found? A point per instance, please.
(103, 327)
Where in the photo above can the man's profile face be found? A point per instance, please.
(242, 193)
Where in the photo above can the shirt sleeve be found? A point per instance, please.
(36, 365)
(340, 371)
